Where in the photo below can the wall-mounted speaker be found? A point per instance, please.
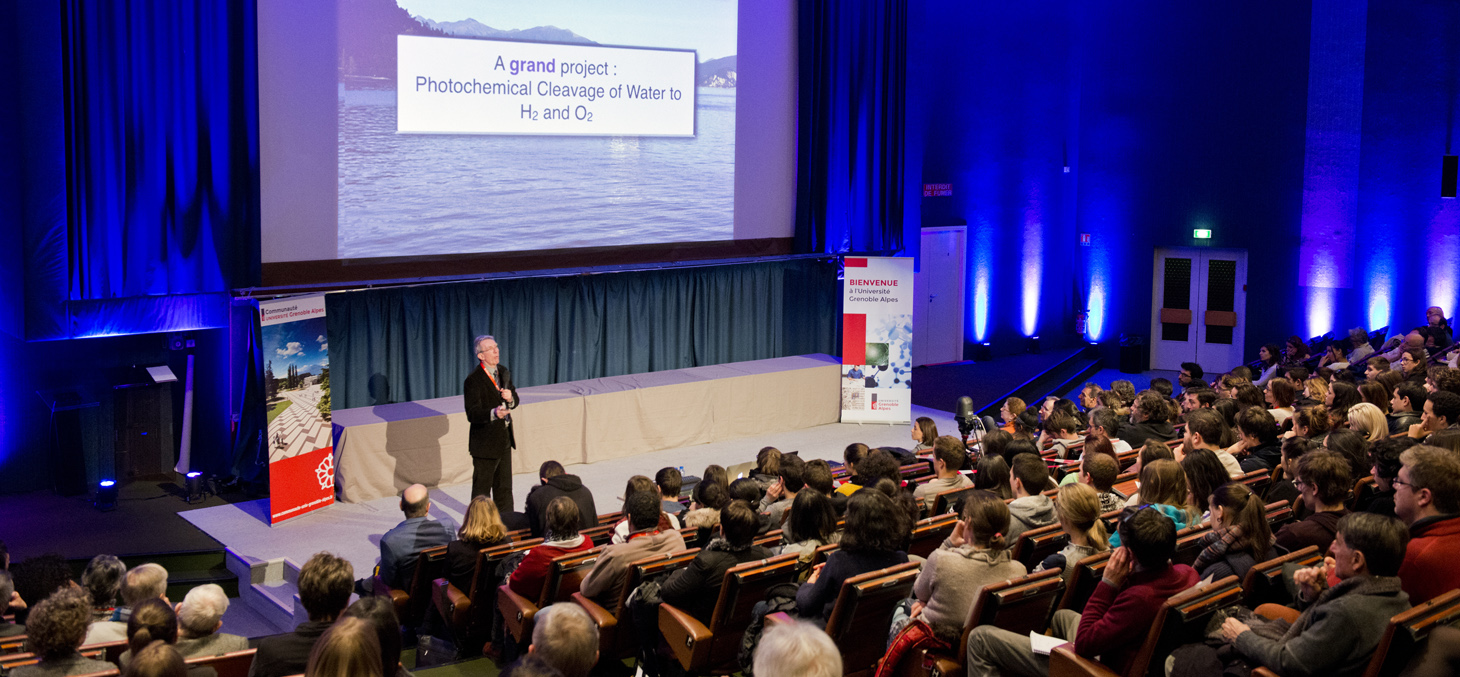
(1449, 173)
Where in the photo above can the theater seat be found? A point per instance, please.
(1021, 605)
(411, 602)
(1181, 620)
(863, 609)
(565, 574)
(712, 649)
(615, 641)
(1264, 581)
(455, 606)
(235, 664)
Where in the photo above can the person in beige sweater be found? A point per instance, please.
(948, 458)
(605, 581)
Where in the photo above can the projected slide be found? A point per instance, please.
(480, 126)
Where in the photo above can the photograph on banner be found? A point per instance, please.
(877, 340)
(297, 398)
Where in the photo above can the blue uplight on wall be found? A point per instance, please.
(1380, 286)
(1033, 265)
(1443, 244)
(1320, 309)
(983, 262)
(1095, 321)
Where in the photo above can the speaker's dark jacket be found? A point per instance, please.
(488, 438)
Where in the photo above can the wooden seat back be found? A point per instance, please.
(930, 533)
(1264, 581)
(1088, 573)
(565, 574)
(913, 471)
(1188, 543)
(1407, 632)
(410, 603)
(822, 552)
(1258, 481)
(1279, 514)
(13, 644)
(617, 641)
(700, 648)
(600, 535)
(456, 607)
(1182, 620)
(1364, 491)
(864, 609)
(945, 502)
(1037, 544)
(1020, 605)
(234, 664)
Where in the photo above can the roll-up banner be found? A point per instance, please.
(877, 340)
(297, 395)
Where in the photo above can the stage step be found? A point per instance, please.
(269, 588)
(1059, 378)
(185, 570)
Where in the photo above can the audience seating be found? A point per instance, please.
(599, 535)
(565, 574)
(1020, 605)
(1265, 583)
(13, 644)
(1188, 543)
(1257, 480)
(616, 641)
(771, 539)
(1279, 514)
(930, 533)
(1364, 489)
(701, 649)
(96, 652)
(1404, 637)
(455, 606)
(1037, 544)
(863, 609)
(411, 602)
(234, 664)
(1088, 573)
(915, 470)
(944, 502)
(1181, 620)
(822, 552)
(113, 672)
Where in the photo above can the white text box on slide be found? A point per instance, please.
(463, 86)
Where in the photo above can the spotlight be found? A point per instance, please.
(982, 352)
(106, 495)
(1033, 346)
(194, 486)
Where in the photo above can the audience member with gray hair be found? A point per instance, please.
(142, 582)
(797, 649)
(7, 592)
(199, 618)
(566, 638)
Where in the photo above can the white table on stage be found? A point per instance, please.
(382, 449)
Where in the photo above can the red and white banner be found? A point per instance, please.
(877, 340)
(297, 396)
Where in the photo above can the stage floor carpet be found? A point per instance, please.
(147, 521)
(353, 530)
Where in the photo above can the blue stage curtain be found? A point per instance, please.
(850, 160)
(161, 129)
(414, 343)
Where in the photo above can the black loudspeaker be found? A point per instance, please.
(1449, 173)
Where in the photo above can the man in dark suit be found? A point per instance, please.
(489, 396)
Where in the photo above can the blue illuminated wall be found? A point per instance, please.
(1175, 116)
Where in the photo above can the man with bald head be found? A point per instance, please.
(1397, 346)
(400, 545)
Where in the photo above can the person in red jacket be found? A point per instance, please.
(561, 538)
(1427, 498)
(1138, 580)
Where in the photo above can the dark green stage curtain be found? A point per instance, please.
(414, 343)
(850, 157)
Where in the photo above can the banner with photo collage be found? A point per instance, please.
(877, 307)
(297, 396)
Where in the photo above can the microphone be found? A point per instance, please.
(964, 415)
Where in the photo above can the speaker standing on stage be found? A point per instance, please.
(489, 396)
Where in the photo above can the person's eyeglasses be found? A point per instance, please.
(1299, 484)
(1396, 482)
(1132, 512)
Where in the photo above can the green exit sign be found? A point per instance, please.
(1202, 233)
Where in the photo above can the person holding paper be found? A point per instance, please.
(490, 396)
(1138, 580)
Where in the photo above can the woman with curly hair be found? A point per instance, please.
(872, 540)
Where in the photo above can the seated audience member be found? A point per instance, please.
(199, 618)
(905, 502)
(560, 538)
(1164, 489)
(555, 483)
(400, 546)
(924, 431)
(872, 540)
(1341, 625)
(1148, 418)
(1384, 465)
(708, 499)
(159, 659)
(1334, 357)
(1191, 375)
(638, 484)
(948, 457)
(1310, 423)
(670, 481)
(103, 581)
(142, 582)
(1010, 411)
(481, 528)
(1445, 439)
(1441, 412)
(1324, 480)
(1359, 346)
(1030, 509)
(646, 537)
(818, 477)
(1026, 426)
(1138, 580)
(1099, 471)
(852, 456)
(1376, 394)
(1061, 431)
(1090, 396)
(796, 649)
(696, 588)
(746, 489)
(380, 613)
(1150, 451)
(877, 465)
(1341, 396)
(1390, 380)
(1227, 408)
(1079, 512)
(1413, 364)
(1125, 391)
(56, 627)
(767, 467)
(1283, 488)
(1315, 391)
(1375, 366)
(1205, 429)
(1198, 398)
(349, 648)
(566, 638)
(1352, 447)
(1107, 425)
(1240, 536)
(810, 524)
(1368, 421)
(789, 480)
(1271, 357)
(7, 592)
(1427, 498)
(1279, 396)
(1249, 396)
(1204, 473)
(991, 473)
(153, 620)
(324, 590)
(975, 555)
(530, 666)
(36, 578)
(1395, 347)
(1448, 380)
(1257, 440)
